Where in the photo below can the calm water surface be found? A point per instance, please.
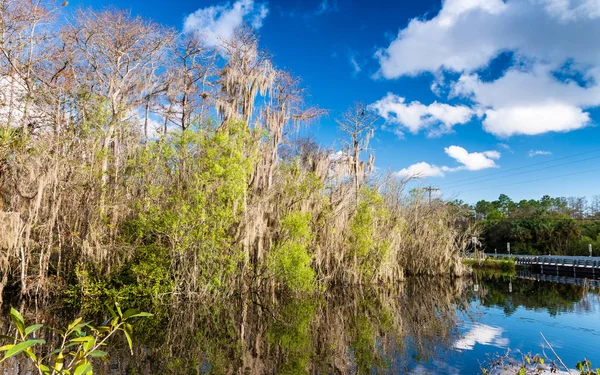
(508, 313)
(423, 326)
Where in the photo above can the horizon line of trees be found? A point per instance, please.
(549, 225)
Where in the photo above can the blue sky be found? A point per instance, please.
(467, 89)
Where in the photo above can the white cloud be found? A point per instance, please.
(467, 34)
(473, 161)
(430, 45)
(423, 169)
(218, 23)
(437, 118)
(533, 120)
(482, 334)
(533, 153)
(568, 10)
(543, 35)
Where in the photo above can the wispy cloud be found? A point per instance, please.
(533, 153)
(355, 65)
(326, 6)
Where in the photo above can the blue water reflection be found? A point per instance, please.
(508, 313)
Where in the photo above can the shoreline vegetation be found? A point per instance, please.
(490, 263)
(139, 164)
(547, 226)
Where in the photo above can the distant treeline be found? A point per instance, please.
(562, 226)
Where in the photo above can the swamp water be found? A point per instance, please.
(423, 326)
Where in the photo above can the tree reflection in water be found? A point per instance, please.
(356, 330)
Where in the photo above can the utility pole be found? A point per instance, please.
(430, 189)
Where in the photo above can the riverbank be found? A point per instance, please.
(505, 265)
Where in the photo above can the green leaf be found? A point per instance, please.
(32, 328)
(112, 312)
(127, 330)
(60, 360)
(85, 368)
(73, 325)
(21, 347)
(29, 353)
(129, 313)
(98, 354)
(44, 368)
(17, 319)
(89, 345)
(142, 314)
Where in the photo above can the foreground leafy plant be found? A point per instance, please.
(80, 342)
(585, 368)
(534, 365)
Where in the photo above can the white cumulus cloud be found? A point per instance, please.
(218, 23)
(555, 70)
(471, 161)
(422, 169)
(437, 118)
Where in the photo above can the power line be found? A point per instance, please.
(430, 189)
(522, 167)
(535, 180)
(524, 172)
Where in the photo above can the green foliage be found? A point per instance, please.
(504, 265)
(290, 262)
(585, 368)
(11, 139)
(539, 227)
(367, 248)
(141, 281)
(192, 212)
(293, 336)
(80, 343)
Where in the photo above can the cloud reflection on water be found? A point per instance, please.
(482, 334)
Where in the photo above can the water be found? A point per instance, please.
(423, 326)
(508, 313)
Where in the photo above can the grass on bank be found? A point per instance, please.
(506, 265)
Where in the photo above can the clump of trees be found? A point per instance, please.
(558, 226)
(136, 160)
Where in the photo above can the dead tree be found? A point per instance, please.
(247, 73)
(116, 55)
(358, 122)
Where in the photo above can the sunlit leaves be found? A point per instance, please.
(79, 346)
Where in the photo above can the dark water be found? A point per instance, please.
(423, 326)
